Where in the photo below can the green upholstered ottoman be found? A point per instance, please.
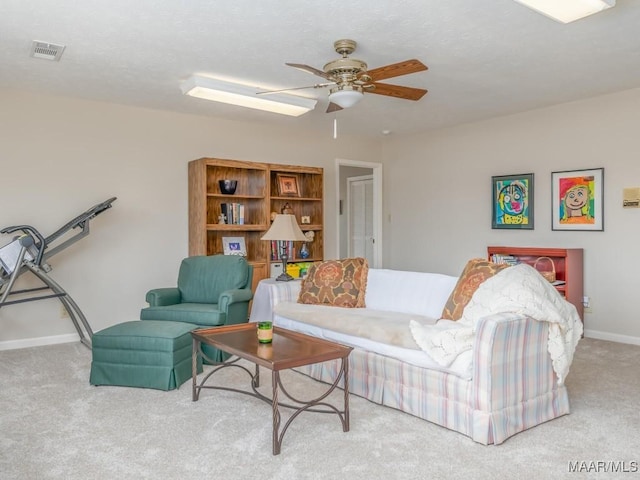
(148, 354)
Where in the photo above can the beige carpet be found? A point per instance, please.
(54, 425)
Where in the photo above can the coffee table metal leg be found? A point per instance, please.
(256, 377)
(345, 373)
(277, 441)
(194, 368)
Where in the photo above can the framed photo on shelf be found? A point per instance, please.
(577, 200)
(234, 246)
(512, 202)
(287, 185)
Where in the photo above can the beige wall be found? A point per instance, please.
(438, 196)
(60, 156)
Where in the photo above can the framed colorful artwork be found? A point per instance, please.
(288, 185)
(577, 200)
(512, 204)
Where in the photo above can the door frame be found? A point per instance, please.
(377, 203)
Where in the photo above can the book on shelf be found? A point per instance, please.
(234, 213)
(502, 259)
(278, 247)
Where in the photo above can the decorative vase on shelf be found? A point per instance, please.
(228, 187)
(304, 251)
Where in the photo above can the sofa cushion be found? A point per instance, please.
(475, 272)
(385, 327)
(421, 293)
(339, 283)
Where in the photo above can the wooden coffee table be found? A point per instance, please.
(288, 350)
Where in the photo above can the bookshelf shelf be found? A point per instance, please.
(257, 190)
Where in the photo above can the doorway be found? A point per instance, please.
(359, 206)
(360, 238)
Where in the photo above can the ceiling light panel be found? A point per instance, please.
(244, 96)
(566, 11)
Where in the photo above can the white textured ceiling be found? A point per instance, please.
(486, 58)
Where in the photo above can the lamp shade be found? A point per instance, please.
(285, 227)
(345, 96)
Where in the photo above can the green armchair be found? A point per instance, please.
(212, 291)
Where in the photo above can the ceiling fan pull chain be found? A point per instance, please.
(335, 127)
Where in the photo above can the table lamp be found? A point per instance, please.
(284, 228)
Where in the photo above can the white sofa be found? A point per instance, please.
(504, 384)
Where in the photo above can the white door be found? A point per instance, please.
(360, 221)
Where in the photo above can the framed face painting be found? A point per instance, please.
(577, 201)
(512, 202)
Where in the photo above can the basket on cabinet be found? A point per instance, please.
(549, 275)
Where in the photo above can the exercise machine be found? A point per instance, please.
(29, 251)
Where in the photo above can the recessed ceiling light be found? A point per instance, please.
(244, 96)
(566, 11)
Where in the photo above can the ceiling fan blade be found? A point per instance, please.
(317, 85)
(333, 107)
(309, 69)
(396, 69)
(406, 93)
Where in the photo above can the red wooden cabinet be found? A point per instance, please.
(568, 265)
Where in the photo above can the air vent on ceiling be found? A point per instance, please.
(46, 51)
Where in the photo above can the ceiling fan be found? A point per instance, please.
(349, 78)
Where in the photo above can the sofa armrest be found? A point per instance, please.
(511, 362)
(514, 385)
(160, 297)
(230, 297)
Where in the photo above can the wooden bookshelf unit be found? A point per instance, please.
(568, 264)
(257, 190)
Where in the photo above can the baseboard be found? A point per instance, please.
(612, 337)
(39, 341)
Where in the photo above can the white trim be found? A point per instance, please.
(39, 341)
(612, 337)
(377, 204)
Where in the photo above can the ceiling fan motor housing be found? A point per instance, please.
(345, 69)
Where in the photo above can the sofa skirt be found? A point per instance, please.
(438, 397)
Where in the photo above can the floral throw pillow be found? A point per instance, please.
(475, 272)
(339, 283)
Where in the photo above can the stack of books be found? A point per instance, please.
(233, 213)
(278, 245)
(508, 259)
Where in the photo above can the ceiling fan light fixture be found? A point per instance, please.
(245, 96)
(346, 96)
(567, 10)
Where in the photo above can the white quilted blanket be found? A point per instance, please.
(520, 290)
